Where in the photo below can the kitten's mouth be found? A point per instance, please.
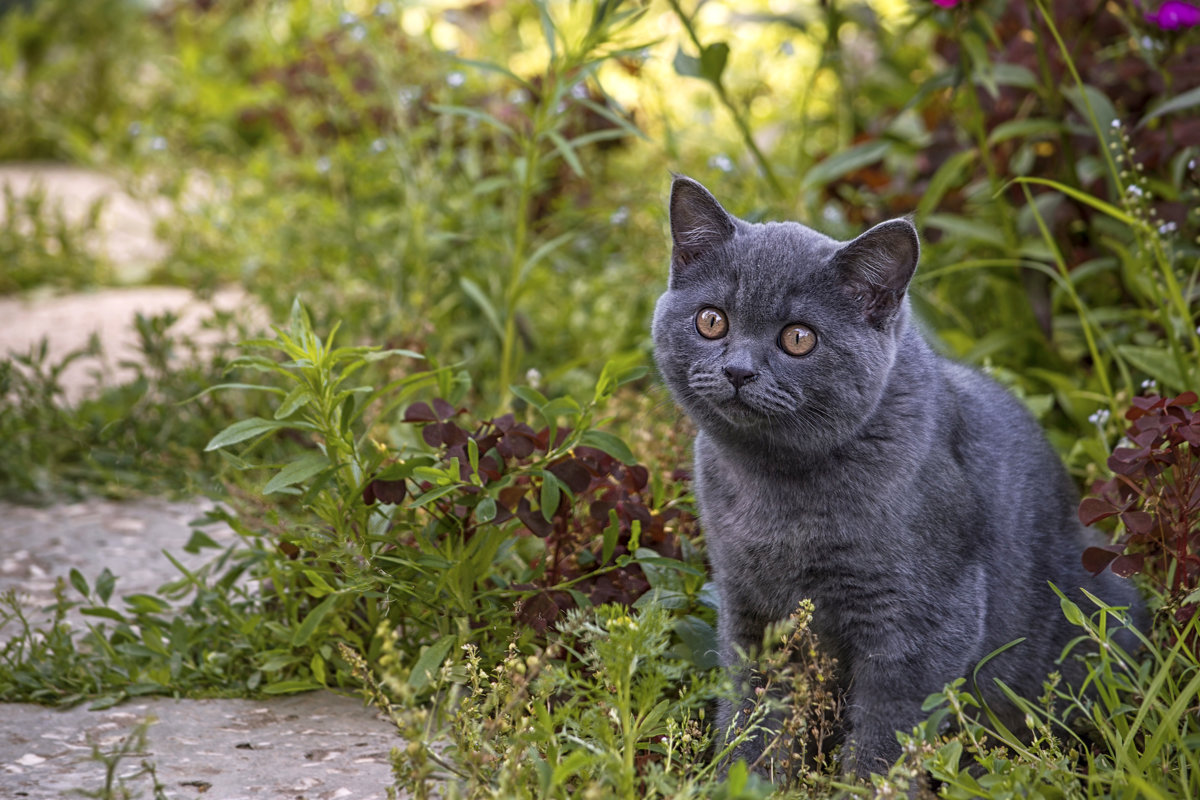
(735, 409)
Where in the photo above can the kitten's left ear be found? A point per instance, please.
(877, 266)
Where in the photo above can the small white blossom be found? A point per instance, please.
(1134, 190)
(1191, 163)
(579, 91)
(1100, 417)
(407, 95)
(1149, 384)
(347, 19)
(721, 162)
(158, 143)
(358, 33)
(787, 48)
(383, 9)
(135, 128)
(1167, 227)
(378, 146)
(323, 164)
(1116, 123)
(619, 216)
(456, 79)
(533, 377)
(518, 97)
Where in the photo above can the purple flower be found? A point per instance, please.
(945, 3)
(1173, 15)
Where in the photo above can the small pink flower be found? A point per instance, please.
(1173, 15)
(945, 3)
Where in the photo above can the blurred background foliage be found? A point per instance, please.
(484, 181)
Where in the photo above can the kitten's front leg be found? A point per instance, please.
(885, 697)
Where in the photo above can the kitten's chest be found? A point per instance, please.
(778, 536)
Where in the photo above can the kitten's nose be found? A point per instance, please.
(739, 375)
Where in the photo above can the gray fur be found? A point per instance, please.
(913, 500)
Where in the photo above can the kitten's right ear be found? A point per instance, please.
(698, 223)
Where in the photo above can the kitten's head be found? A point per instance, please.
(775, 334)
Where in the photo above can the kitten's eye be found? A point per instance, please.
(711, 323)
(797, 340)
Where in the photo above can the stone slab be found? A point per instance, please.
(317, 746)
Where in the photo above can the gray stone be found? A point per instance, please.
(313, 745)
(319, 746)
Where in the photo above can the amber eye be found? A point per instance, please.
(797, 340)
(711, 323)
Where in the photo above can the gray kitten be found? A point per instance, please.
(839, 459)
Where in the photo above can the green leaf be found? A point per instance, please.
(566, 150)
(473, 455)
(549, 496)
(1085, 198)
(299, 470)
(199, 540)
(700, 638)
(103, 612)
(735, 780)
(499, 69)
(243, 430)
(378, 355)
(1092, 104)
(610, 537)
(309, 626)
(476, 114)
(1155, 362)
(610, 444)
(845, 162)
(317, 665)
(108, 701)
(530, 395)
(297, 397)
(290, 687)
(1024, 129)
(432, 494)
(146, 604)
(565, 406)
(1179, 102)
(251, 387)
(968, 229)
(687, 66)
(486, 510)
(104, 585)
(79, 582)
(430, 662)
(472, 290)
(952, 172)
(712, 61)
(1071, 611)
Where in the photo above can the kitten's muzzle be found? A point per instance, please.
(739, 376)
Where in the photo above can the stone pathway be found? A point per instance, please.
(316, 746)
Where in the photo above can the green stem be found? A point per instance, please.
(629, 736)
(508, 356)
(1080, 308)
(722, 95)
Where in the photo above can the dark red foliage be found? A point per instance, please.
(1155, 494)
(385, 491)
(599, 497)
